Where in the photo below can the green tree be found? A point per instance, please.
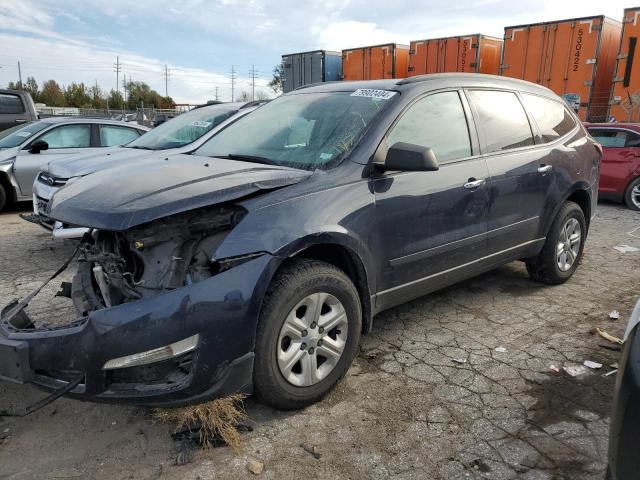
(98, 100)
(31, 86)
(14, 86)
(77, 95)
(139, 93)
(276, 81)
(52, 95)
(114, 100)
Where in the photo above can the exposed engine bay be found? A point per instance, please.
(148, 260)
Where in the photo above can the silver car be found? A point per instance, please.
(26, 149)
(182, 134)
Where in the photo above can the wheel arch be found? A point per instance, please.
(341, 252)
(5, 181)
(579, 194)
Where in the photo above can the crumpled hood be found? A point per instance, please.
(121, 197)
(86, 163)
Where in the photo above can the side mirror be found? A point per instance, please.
(411, 158)
(38, 146)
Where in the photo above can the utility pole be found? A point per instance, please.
(19, 76)
(117, 68)
(233, 82)
(217, 97)
(166, 80)
(253, 75)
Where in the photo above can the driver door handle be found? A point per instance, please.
(545, 168)
(472, 184)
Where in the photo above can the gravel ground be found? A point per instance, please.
(406, 409)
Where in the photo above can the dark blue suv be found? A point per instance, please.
(256, 263)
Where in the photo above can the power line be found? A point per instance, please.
(217, 97)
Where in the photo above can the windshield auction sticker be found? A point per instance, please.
(373, 93)
(201, 124)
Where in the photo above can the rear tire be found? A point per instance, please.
(632, 195)
(562, 250)
(3, 197)
(289, 330)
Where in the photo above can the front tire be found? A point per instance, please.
(562, 250)
(632, 195)
(308, 334)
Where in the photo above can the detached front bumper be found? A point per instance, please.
(223, 310)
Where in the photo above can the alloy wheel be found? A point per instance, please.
(569, 242)
(635, 196)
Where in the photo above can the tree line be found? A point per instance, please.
(81, 95)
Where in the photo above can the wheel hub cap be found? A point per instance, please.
(312, 339)
(569, 244)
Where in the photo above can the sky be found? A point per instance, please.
(200, 40)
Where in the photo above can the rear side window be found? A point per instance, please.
(613, 138)
(10, 104)
(68, 136)
(503, 120)
(553, 119)
(111, 136)
(437, 121)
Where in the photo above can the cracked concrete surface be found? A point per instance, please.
(428, 397)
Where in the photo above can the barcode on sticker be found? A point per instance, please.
(373, 93)
(201, 124)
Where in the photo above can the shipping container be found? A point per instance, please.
(376, 62)
(575, 58)
(471, 53)
(625, 97)
(310, 67)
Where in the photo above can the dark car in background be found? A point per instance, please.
(624, 432)
(16, 108)
(620, 169)
(256, 263)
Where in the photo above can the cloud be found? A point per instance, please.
(201, 39)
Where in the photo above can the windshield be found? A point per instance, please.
(307, 131)
(184, 129)
(18, 135)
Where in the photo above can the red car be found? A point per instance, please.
(620, 169)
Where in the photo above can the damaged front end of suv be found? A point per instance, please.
(160, 320)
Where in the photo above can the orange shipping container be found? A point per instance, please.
(471, 53)
(376, 62)
(625, 98)
(574, 58)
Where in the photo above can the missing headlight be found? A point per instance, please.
(118, 267)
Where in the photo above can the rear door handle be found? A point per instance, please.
(472, 184)
(545, 168)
